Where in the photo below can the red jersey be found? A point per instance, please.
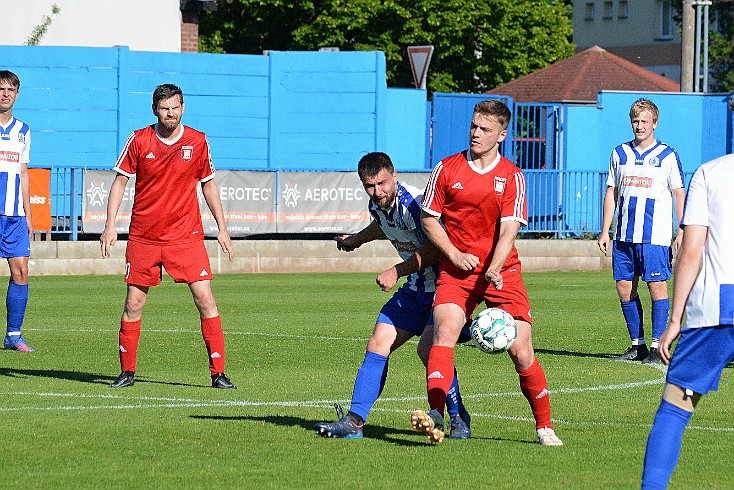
(472, 203)
(166, 207)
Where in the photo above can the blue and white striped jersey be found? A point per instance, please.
(402, 226)
(644, 182)
(15, 145)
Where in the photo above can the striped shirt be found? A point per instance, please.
(402, 226)
(644, 182)
(15, 146)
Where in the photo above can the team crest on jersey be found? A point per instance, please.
(186, 153)
(499, 184)
(654, 161)
(21, 138)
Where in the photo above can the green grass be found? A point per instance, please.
(294, 344)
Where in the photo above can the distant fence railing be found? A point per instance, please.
(561, 203)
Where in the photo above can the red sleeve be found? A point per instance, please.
(127, 163)
(433, 197)
(514, 199)
(206, 167)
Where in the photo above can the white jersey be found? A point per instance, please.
(710, 202)
(15, 146)
(644, 183)
(402, 226)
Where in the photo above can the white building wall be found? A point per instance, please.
(142, 25)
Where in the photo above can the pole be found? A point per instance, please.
(688, 25)
(697, 54)
(705, 67)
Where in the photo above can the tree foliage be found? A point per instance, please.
(721, 46)
(34, 39)
(477, 47)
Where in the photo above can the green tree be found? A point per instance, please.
(721, 46)
(477, 47)
(39, 31)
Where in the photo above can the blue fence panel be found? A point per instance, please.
(452, 114)
(534, 137)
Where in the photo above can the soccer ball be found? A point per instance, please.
(493, 330)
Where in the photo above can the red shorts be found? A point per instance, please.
(184, 262)
(469, 292)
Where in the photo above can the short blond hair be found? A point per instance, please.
(643, 104)
(495, 109)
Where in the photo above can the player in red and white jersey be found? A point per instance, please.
(479, 196)
(168, 160)
(16, 225)
(158, 166)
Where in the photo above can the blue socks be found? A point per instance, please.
(368, 384)
(371, 380)
(663, 445)
(660, 310)
(15, 304)
(453, 397)
(632, 311)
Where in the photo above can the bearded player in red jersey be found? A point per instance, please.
(480, 197)
(168, 160)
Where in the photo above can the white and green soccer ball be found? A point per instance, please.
(493, 330)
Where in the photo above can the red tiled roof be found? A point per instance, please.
(582, 76)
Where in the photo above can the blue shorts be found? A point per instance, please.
(14, 240)
(700, 356)
(412, 311)
(651, 262)
(408, 310)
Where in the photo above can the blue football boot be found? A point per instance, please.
(344, 428)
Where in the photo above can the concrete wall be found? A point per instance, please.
(255, 256)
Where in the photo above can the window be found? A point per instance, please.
(666, 19)
(608, 10)
(623, 10)
(589, 12)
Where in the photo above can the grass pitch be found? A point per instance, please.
(294, 344)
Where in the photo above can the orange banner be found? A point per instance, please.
(40, 179)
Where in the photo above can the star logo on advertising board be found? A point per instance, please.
(96, 193)
(291, 195)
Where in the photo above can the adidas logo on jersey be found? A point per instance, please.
(216, 355)
(457, 186)
(435, 375)
(203, 273)
(150, 155)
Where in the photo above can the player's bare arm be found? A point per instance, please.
(687, 268)
(211, 195)
(109, 235)
(610, 203)
(25, 188)
(437, 234)
(679, 199)
(348, 243)
(501, 251)
(426, 255)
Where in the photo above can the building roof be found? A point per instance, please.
(582, 76)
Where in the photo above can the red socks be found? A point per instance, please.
(211, 330)
(129, 337)
(535, 388)
(439, 375)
